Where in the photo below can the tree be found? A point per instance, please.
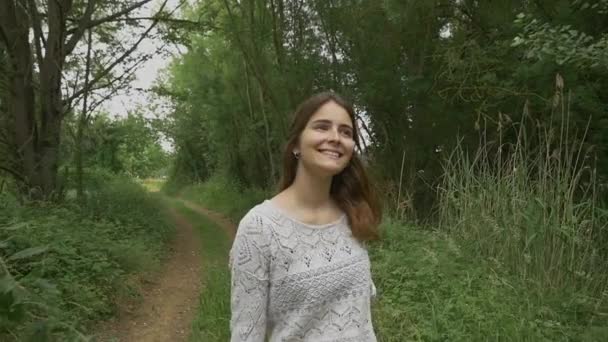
(424, 76)
(36, 100)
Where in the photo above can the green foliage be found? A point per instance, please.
(530, 210)
(216, 129)
(231, 94)
(66, 265)
(601, 6)
(41, 83)
(532, 205)
(153, 184)
(434, 288)
(563, 44)
(225, 196)
(522, 255)
(125, 145)
(138, 150)
(419, 72)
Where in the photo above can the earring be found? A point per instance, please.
(296, 154)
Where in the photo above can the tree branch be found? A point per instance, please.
(467, 13)
(126, 54)
(122, 80)
(161, 20)
(3, 36)
(13, 173)
(258, 74)
(6, 10)
(543, 10)
(38, 35)
(92, 23)
(86, 75)
(71, 132)
(97, 103)
(367, 131)
(82, 26)
(4, 138)
(120, 13)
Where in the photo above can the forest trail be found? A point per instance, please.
(169, 303)
(218, 218)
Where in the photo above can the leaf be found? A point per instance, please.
(39, 332)
(517, 41)
(559, 81)
(28, 252)
(7, 284)
(11, 307)
(47, 286)
(16, 226)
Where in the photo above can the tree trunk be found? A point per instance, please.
(48, 160)
(82, 123)
(21, 98)
(38, 113)
(50, 99)
(268, 144)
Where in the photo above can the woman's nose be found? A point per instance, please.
(334, 135)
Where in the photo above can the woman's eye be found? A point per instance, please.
(347, 133)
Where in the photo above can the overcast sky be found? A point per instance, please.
(122, 103)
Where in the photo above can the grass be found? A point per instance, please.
(153, 184)
(519, 253)
(75, 261)
(224, 196)
(530, 207)
(212, 322)
(435, 285)
(433, 288)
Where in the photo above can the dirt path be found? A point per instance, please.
(169, 304)
(219, 219)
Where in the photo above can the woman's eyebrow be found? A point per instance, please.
(329, 122)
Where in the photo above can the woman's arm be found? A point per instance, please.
(249, 265)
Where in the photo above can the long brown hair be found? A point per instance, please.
(351, 188)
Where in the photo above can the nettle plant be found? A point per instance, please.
(564, 44)
(601, 6)
(26, 309)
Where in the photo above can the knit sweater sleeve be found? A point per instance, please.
(249, 265)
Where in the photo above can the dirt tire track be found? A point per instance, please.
(218, 218)
(169, 304)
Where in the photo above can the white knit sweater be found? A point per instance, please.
(293, 281)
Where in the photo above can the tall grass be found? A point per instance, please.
(530, 204)
(212, 322)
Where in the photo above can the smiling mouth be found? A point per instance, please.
(331, 154)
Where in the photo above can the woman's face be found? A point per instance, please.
(327, 142)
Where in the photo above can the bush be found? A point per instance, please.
(72, 260)
(530, 208)
(533, 206)
(430, 288)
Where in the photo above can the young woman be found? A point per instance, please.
(300, 271)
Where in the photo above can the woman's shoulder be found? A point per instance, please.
(257, 211)
(256, 218)
(252, 236)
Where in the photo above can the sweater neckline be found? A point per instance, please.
(304, 224)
